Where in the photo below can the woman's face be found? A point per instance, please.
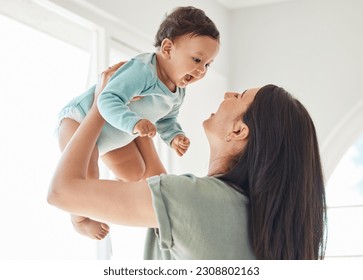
(219, 124)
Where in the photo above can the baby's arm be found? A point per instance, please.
(171, 132)
(126, 84)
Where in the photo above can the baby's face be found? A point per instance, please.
(190, 58)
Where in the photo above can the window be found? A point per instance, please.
(123, 242)
(345, 205)
(47, 59)
(39, 74)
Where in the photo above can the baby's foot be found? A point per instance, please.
(91, 228)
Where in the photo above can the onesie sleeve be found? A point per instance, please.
(128, 81)
(168, 127)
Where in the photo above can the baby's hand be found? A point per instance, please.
(180, 144)
(145, 128)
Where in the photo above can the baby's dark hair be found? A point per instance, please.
(186, 20)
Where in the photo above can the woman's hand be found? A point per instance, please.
(104, 200)
(104, 77)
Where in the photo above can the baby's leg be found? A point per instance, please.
(83, 225)
(153, 164)
(135, 161)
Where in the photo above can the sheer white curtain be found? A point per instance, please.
(38, 75)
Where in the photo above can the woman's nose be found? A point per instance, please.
(229, 95)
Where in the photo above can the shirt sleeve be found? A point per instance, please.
(164, 231)
(200, 218)
(180, 202)
(129, 81)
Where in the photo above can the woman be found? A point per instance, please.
(263, 197)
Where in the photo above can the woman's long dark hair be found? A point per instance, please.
(280, 171)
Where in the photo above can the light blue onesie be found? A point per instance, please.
(138, 77)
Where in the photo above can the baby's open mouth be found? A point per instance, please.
(187, 78)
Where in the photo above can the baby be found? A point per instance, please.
(144, 97)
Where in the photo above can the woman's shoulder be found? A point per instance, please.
(201, 187)
(186, 179)
(195, 180)
(215, 213)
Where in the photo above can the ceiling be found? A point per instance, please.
(236, 4)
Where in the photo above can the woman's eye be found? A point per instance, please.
(197, 60)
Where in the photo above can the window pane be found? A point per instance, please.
(127, 242)
(345, 230)
(345, 186)
(38, 75)
(345, 205)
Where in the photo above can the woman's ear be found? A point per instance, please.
(166, 47)
(240, 132)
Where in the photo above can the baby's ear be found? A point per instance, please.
(166, 47)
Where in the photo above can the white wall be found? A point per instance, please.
(314, 50)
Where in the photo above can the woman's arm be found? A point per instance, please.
(104, 200)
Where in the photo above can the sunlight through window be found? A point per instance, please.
(38, 74)
(345, 205)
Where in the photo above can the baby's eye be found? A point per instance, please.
(197, 60)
